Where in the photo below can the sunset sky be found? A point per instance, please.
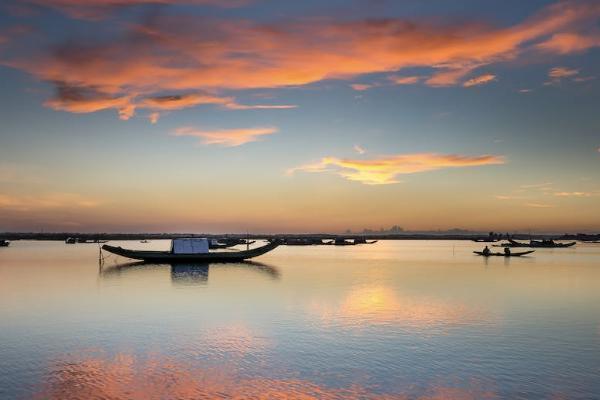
(299, 116)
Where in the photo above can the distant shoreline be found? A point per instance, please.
(62, 236)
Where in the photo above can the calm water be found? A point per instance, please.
(410, 319)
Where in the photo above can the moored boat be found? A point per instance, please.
(4, 243)
(549, 244)
(196, 250)
(519, 254)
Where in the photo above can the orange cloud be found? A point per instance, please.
(216, 55)
(385, 170)
(176, 102)
(480, 80)
(77, 99)
(226, 137)
(565, 43)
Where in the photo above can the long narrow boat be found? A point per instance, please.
(169, 256)
(537, 244)
(4, 243)
(523, 253)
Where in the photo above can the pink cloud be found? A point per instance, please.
(360, 86)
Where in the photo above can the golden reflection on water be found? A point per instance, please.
(125, 376)
(378, 304)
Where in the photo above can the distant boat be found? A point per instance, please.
(550, 244)
(486, 240)
(361, 240)
(144, 241)
(343, 242)
(71, 240)
(4, 243)
(523, 253)
(193, 250)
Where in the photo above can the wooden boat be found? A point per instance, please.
(169, 256)
(4, 243)
(522, 253)
(537, 244)
(486, 240)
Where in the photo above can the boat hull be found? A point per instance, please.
(165, 256)
(538, 245)
(523, 253)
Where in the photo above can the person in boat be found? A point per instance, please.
(507, 251)
(486, 251)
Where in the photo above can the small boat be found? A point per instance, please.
(194, 250)
(486, 240)
(522, 253)
(4, 243)
(71, 240)
(144, 241)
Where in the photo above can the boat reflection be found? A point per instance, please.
(186, 273)
(189, 274)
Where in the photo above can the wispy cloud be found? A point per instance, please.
(570, 42)
(225, 137)
(360, 87)
(404, 80)
(562, 72)
(385, 170)
(539, 205)
(153, 117)
(541, 186)
(507, 197)
(574, 194)
(46, 201)
(359, 149)
(237, 106)
(96, 9)
(480, 80)
(223, 55)
(81, 99)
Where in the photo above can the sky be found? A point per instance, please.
(265, 116)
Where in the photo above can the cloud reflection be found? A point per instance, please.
(125, 376)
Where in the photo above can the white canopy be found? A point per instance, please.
(189, 246)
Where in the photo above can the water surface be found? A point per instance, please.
(397, 319)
